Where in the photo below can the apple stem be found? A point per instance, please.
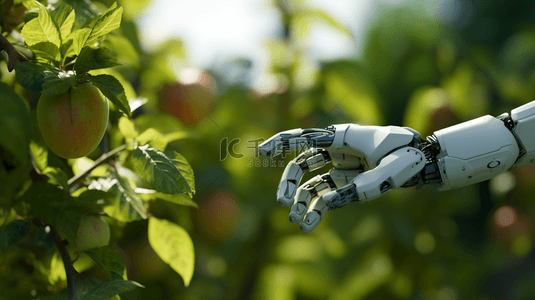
(67, 262)
(102, 159)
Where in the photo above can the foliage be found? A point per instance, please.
(415, 68)
(44, 197)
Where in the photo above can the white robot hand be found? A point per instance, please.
(371, 160)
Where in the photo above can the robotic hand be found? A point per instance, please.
(371, 160)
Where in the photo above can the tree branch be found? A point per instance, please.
(67, 262)
(104, 158)
(14, 56)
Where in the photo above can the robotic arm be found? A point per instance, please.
(371, 160)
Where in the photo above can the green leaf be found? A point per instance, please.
(154, 138)
(128, 199)
(175, 136)
(30, 14)
(12, 233)
(57, 269)
(181, 199)
(93, 200)
(39, 154)
(32, 75)
(105, 23)
(174, 246)
(166, 172)
(41, 29)
(136, 103)
(113, 90)
(55, 207)
(163, 123)
(15, 123)
(75, 42)
(57, 175)
(123, 49)
(57, 273)
(46, 50)
(92, 58)
(58, 86)
(125, 205)
(127, 129)
(29, 4)
(63, 16)
(108, 289)
(85, 11)
(109, 260)
(83, 163)
(184, 167)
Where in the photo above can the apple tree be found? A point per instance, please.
(65, 197)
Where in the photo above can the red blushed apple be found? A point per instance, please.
(189, 100)
(93, 232)
(218, 215)
(73, 123)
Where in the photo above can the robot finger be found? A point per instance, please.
(393, 171)
(315, 213)
(296, 140)
(342, 196)
(315, 187)
(330, 200)
(309, 160)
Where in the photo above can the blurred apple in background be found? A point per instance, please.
(218, 215)
(191, 98)
(441, 118)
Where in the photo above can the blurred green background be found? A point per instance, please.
(414, 68)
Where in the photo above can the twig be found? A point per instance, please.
(104, 158)
(14, 56)
(67, 262)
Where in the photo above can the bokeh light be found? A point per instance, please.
(446, 293)
(503, 183)
(424, 242)
(505, 216)
(522, 245)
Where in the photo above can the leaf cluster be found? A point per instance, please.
(64, 54)
(40, 192)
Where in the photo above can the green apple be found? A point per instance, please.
(94, 232)
(74, 122)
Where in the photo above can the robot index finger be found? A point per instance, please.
(296, 140)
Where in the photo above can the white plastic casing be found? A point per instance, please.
(524, 130)
(374, 142)
(475, 151)
(396, 168)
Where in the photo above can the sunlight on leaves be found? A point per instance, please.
(167, 172)
(109, 261)
(174, 246)
(41, 29)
